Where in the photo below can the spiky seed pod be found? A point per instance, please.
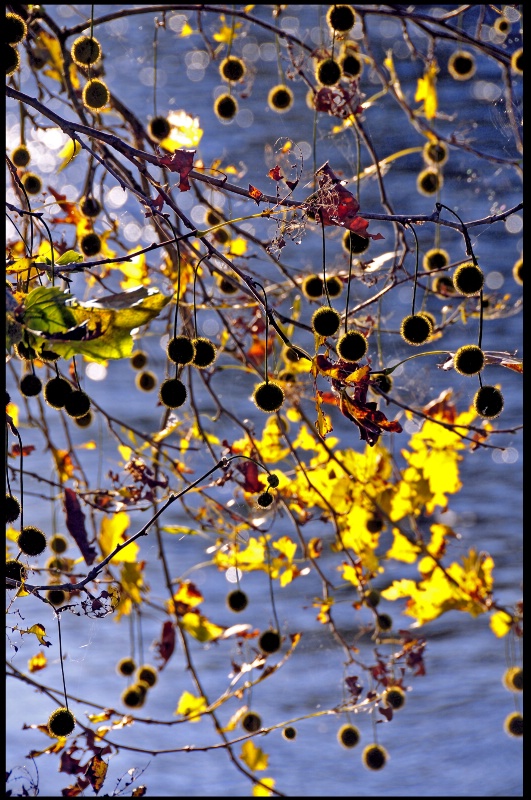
(15, 29)
(415, 329)
(444, 285)
(77, 404)
(61, 722)
(225, 107)
(348, 736)
(90, 244)
(436, 258)
(146, 381)
(251, 722)
(341, 18)
(517, 61)
(374, 756)
(237, 600)
(352, 346)
(30, 385)
(273, 480)
(20, 156)
(514, 724)
(429, 316)
(372, 598)
(56, 391)
(351, 64)
(95, 94)
(488, 402)
(286, 376)
(138, 359)
(32, 183)
(326, 321)
(328, 72)
(181, 350)
(232, 69)
(502, 26)
(126, 666)
(142, 686)
(48, 355)
(264, 500)
(269, 642)
(469, 360)
(268, 396)
(518, 271)
(85, 51)
(31, 540)
(429, 181)
(133, 697)
(395, 697)
(148, 674)
(226, 286)
(334, 286)
(435, 153)
(58, 544)
(14, 570)
(56, 596)
(374, 524)
(159, 128)
(468, 279)
(25, 352)
(383, 382)
(57, 564)
(384, 622)
(289, 733)
(84, 421)
(12, 508)
(205, 352)
(461, 65)
(513, 679)
(172, 393)
(312, 287)
(359, 243)
(212, 218)
(290, 354)
(280, 98)
(90, 207)
(12, 60)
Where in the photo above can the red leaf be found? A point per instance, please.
(75, 522)
(255, 193)
(250, 472)
(182, 161)
(274, 173)
(26, 449)
(166, 645)
(344, 211)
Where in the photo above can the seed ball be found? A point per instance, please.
(415, 329)
(348, 736)
(395, 697)
(352, 65)
(58, 544)
(148, 674)
(90, 207)
(181, 350)
(268, 396)
(513, 679)
(514, 724)
(469, 360)
(435, 259)
(265, 499)
(16, 571)
(32, 183)
(84, 421)
(138, 359)
(225, 107)
(90, 244)
(352, 346)
(30, 385)
(56, 597)
(461, 65)
(372, 598)
(146, 381)
(25, 352)
(226, 286)
(15, 29)
(126, 666)
(269, 642)
(518, 273)
(61, 722)
(172, 393)
(20, 156)
(56, 391)
(77, 404)
(517, 61)
(159, 128)
(341, 18)
(289, 733)
(237, 600)
(232, 69)
(12, 508)
(48, 355)
(334, 286)
(444, 285)
(383, 382)
(85, 51)
(133, 697)
(251, 722)
(205, 352)
(429, 181)
(435, 153)
(57, 564)
(374, 756)
(280, 99)
(273, 481)
(384, 622)
(328, 72)
(312, 287)
(326, 321)
(96, 94)
(468, 279)
(374, 524)
(12, 60)
(31, 540)
(488, 402)
(502, 25)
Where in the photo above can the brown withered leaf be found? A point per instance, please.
(96, 772)
(182, 161)
(255, 193)
(75, 522)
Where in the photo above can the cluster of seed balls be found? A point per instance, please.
(134, 696)
(513, 680)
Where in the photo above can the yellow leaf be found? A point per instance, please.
(39, 632)
(261, 791)
(185, 131)
(225, 34)
(186, 30)
(12, 411)
(63, 464)
(426, 91)
(200, 627)
(253, 756)
(500, 623)
(112, 534)
(135, 270)
(402, 549)
(125, 452)
(350, 574)
(37, 662)
(238, 246)
(188, 594)
(12, 534)
(68, 154)
(87, 445)
(191, 706)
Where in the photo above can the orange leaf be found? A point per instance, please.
(255, 193)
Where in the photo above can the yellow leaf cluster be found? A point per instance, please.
(200, 627)
(253, 756)
(427, 91)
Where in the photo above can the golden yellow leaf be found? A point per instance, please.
(37, 662)
(200, 627)
(68, 154)
(402, 549)
(261, 791)
(500, 623)
(191, 706)
(112, 534)
(253, 756)
(427, 92)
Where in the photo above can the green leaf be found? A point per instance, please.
(70, 257)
